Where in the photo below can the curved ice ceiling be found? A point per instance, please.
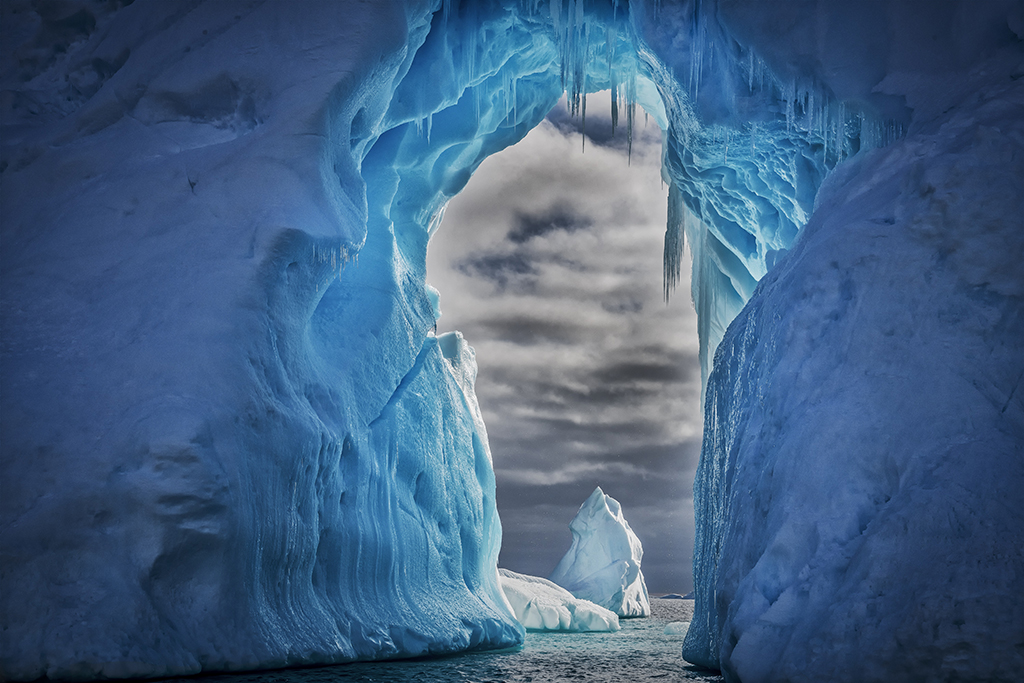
(236, 444)
(745, 150)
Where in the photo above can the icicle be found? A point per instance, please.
(609, 50)
(560, 37)
(675, 240)
(698, 45)
(630, 112)
(841, 133)
(470, 57)
(583, 119)
(515, 102)
(824, 136)
(610, 56)
(615, 107)
(810, 110)
(790, 97)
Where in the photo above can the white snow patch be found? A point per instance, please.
(540, 605)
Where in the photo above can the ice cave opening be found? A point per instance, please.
(549, 262)
(745, 154)
(231, 440)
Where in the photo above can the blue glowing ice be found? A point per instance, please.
(232, 441)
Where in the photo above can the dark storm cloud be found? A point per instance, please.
(502, 270)
(623, 305)
(530, 331)
(608, 458)
(655, 474)
(559, 217)
(513, 262)
(598, 128)
(667, 370)
(644, 376)
(601, 435)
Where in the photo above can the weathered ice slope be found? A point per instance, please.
(860, 497)
(603, 563)
(227, 444)
(230, 441)
(541, 605)
(867, 409)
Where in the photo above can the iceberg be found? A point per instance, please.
(676, 628)
(541, 605)
(232, 440)
(603, 563)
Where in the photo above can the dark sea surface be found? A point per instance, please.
(639, 652)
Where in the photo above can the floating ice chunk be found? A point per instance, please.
(677, 628)
(603, 562)
(540, 605)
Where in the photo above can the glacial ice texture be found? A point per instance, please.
(603, 563)
(541, 605)
(860, 496)
(230, 440)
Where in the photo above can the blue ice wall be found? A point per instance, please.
(812, 450)
(230, 440)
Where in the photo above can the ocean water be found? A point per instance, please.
(639, 652)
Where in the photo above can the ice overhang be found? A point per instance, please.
(744, 151)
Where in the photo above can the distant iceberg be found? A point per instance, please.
(540, 605)
(676, 628)
(232, 441)
(603, 563)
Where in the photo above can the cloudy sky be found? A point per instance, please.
(550, 263)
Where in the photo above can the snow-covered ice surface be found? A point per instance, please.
(540, 605)
(860, 498)
(874, 487)
(603, 563)
(230, 440)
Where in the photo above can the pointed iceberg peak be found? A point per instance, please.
(603, 563)
(595, 508)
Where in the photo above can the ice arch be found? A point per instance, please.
(230, 442)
